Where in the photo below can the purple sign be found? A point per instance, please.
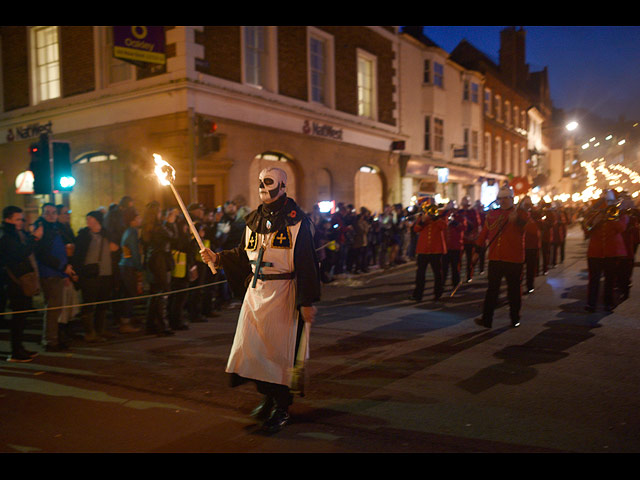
(139, 44)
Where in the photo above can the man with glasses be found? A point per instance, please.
(55, 270)
(16, 259)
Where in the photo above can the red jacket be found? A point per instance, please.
(431, 238)
(456, 229)
(507, 244)
(605, 239)
(532, 234)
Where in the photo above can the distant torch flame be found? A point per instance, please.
(165, 172)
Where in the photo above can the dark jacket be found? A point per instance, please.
(15, 249)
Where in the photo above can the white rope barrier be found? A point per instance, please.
(115, 300)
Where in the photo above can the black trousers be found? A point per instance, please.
(469, 248)
(17, 302)
(545, 250)
(512, 272)
(452, 259)
(599, 267)
(531, 262)
(435, 261)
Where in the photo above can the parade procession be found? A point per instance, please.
(315, 239)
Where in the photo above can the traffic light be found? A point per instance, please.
(208, 139)
(40, 165)
(63, 180)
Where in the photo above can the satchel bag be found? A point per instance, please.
(29, 283)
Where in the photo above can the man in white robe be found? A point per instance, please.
(276, 269)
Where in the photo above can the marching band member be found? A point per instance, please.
(430, 248)
(456, 228)
(606, 247)
(631, 238)
(504, 229)
(474, 222)
(532, 245)
(482, 215)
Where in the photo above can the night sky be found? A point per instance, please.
(591, 67)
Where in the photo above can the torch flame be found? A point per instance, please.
(165, 172)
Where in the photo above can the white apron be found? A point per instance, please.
(265, 340)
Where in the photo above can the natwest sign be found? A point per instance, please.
(321, 130)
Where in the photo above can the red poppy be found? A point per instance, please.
(292, 214)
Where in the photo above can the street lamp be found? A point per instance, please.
(571, 126)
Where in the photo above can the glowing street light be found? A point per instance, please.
(571, 126)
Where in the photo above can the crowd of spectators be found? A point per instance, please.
(122, 253)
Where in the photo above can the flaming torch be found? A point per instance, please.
(166, 176)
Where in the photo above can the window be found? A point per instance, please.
(46, 63)
(427, 133)
(474, 144)
(497, 107)
(487, 150)
(426, 75)
(498, 155)
(438, 134)
(255, 56)
(507, 113)
(475, 92)
(507, 167)
(465, 90)
(317, 64)
(321, 68)
(366, 85)
(438, 74)
(487, 102)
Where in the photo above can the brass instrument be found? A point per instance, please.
(604, 211)
(613, 212)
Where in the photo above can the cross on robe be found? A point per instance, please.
(259, 264)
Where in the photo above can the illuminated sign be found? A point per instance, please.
(24, 182)
(443, 174)
(139, 45)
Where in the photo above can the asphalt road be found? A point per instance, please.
(386, 375)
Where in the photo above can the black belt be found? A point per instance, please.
(277, 276)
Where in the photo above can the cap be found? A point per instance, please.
(97, 215)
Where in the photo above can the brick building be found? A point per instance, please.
(516, 102)
(319, 101)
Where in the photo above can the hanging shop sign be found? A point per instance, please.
(139, 45)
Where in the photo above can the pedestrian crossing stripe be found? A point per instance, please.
(282, 239)
(252, 242)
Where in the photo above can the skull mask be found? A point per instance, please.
(272, 184)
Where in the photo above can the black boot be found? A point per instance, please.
(263, 411)
(278, 419)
